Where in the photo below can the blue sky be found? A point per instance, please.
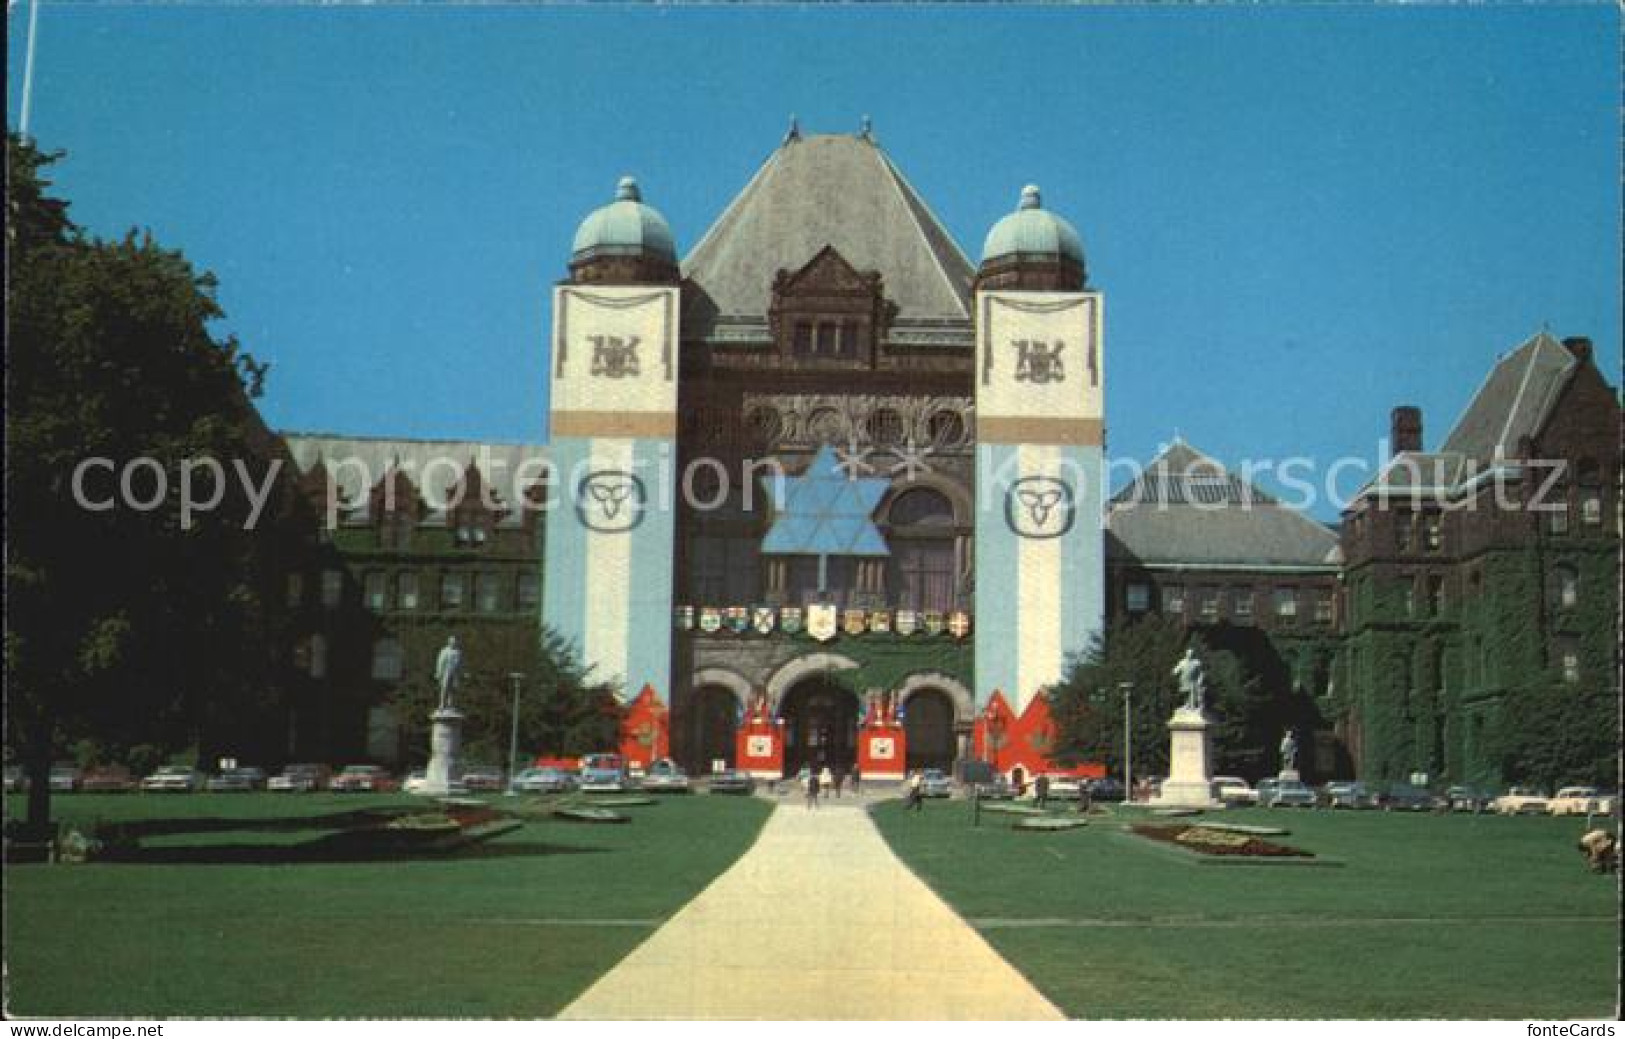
(1300, 216)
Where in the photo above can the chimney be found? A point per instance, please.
(1405, 429)
(1580, 347)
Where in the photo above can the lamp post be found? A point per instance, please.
(1127, 689)
(516, 679)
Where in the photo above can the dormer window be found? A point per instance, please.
(827, 310)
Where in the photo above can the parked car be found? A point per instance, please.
(64, 779)
(1463, 798)
(1407, 797)
(998, 790)
(732, 782)
(415, 781)
(1105, 789)
(544, 781)
(173, 779)
(364, 779)
(1065, 788)
(300, 779)
(1581, 800)
(1284, 793)
(935, 783)
(1233, 790)
(107, 779)
(236, 781)
(602, 774)
(1521, 800)
(1347, 794)
(484, 778)
(16, 779)
(664, 777)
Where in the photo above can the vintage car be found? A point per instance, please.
(544, 781)
(173, 779)
(664, 777)
(1284, 793)
(1408, 797)
(236, 781)
(363, 779)
(16, 779)
(1465, 798)
(64, 779)
(1521, 800)
(107, 779)
(483, 778)
(935, 783)
(1347, 794)
(732, 782)
(300, 779)
(602, 774)
(1233, 790)
(1581, 800)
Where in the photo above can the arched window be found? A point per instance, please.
(922, 536)
(1564, 587)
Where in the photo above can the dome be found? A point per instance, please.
(625, 227)
(1032, 231)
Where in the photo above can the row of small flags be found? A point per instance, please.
(822, 621)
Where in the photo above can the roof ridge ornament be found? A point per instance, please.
(867, 130)
(794, 133)
(627, 190)
(1031, 198)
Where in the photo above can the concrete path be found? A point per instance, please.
(817, 921)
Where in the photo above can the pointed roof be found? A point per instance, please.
(1515, 401)
(1186, 509)
(829, 190)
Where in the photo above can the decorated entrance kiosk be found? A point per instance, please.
(882, 741)
(760, 743)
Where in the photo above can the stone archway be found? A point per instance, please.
(706, 720)
(813, 665)
(938, 713)
(820, 725)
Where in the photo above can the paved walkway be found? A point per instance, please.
(817, 921)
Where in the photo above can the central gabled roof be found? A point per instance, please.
(839, 191)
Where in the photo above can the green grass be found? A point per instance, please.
(1429, 917)
(515, 928)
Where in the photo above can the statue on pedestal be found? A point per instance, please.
(1289, 750)
(1192, 680)
(448, 667)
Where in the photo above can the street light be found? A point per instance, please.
(1127, 689)
(516, 679)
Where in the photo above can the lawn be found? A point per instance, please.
(1429, 916)
(515, 928)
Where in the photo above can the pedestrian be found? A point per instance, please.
(1041, 789)
(826, 781)
(854, 780)
(812, 789)
(916, 792)
(840, 778)
(1086, 796)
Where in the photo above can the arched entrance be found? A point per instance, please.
(928, 721)
(820, 726)
(711, 725)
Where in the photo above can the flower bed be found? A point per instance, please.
(1206, 841)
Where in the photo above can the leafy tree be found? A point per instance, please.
(126, 625)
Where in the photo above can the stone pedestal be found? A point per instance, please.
(1289, 775)
(1190, 774)
(445, 742)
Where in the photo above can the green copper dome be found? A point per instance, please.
(624, 227)
(1032, 231)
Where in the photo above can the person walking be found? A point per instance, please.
(826, 781)
(840, 779)
(1041, 789)
(854, 778)
(916, 792)
(812, 789)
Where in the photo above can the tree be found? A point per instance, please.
(128, 625)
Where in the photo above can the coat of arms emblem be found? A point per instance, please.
(959, 624)
(933, 622)
(763, 619)
(684, 618)
(737, 619)
(822, 621)
(908, 622)
(880, 622)
(790, 620)
(710, 620)
(855, 622)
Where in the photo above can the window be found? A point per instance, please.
(1591, 508)
(849, 339)
(1323, 607)
(296, 591)
(386, 660)
(453, 591)
(1557, 519)
(529, 590)
(925, 574)
(1432, 532)
(803, 343)
(1241, 599)
(1173, 598)
(406, 590)
(722, 571)
(1565, 587)
(488, 593)
(1286, 603)
(1139, 597)
(317, 646)
(1410, 599)
(826, 339)
(1402, 532)
(332, 588)
(377, 590)
(1435, 585)
(1210, 604)
(1571, 665)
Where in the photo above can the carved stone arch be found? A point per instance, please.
(958, 494)
(936, 681)
(722, 677)
(809, 666)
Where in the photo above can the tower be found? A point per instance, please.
(613, 425)
(1039, 390)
